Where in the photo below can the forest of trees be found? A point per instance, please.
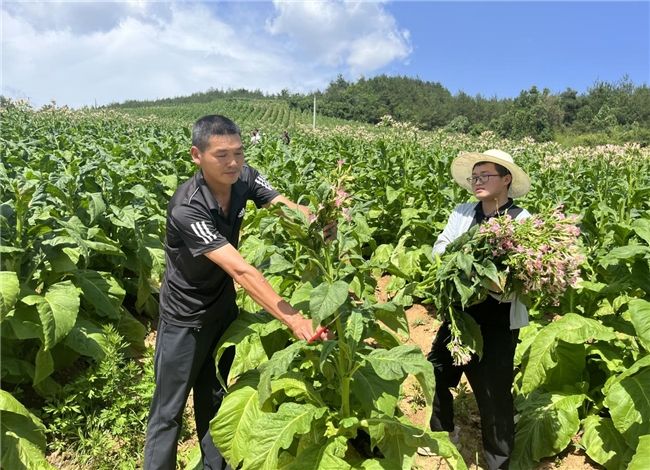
(606, 113)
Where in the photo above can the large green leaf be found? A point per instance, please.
(624, 253)
(44, 365)
(604, 444)
(245, 335)
(546, 425)
(57, 310)
(328, 455)
(276, 431)
(399, 440)
(102, 291)
(294, 385)
(237, 420)
(393, 316)
(276, 366)
(642, 229)
(88, 339)
(326, 299)
(279, 264)
(9, 289)
(23, 322)
(371, 392)
(544, 353)
(641, 458)
(396, 363)
(23, 436)
(628, 401)
(640, 316)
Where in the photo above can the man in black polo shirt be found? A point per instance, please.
(197, 297)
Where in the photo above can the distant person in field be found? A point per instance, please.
(285, 137)
(197, 296)
(494, 179)
(256, 137)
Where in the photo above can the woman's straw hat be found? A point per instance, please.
(461, 169)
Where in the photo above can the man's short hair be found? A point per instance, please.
(214, 124)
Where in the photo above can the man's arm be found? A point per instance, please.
(329, 231)
(231, 261)
(288, 202)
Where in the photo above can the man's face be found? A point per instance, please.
(222, 159)
(490, 184)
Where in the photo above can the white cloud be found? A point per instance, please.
(359, 35)
(80, 53)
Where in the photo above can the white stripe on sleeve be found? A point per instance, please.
(202, 231)
(262, 182)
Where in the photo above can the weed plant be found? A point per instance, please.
(99, 419)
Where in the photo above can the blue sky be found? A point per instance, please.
(85, 52)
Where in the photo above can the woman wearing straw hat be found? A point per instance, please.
(494, 179)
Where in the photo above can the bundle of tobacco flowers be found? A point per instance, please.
(536, 258)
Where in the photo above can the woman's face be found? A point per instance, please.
(487, 184)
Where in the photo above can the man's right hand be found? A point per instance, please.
(302, 328)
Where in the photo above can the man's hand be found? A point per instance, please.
(301, 328)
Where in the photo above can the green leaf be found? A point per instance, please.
(466, 291)
(354, 329)
(391, 194)
(545, 428)
(301, 295)
(642, 229)
(328, 455)
(545, 355)
(642, 455)
(396, 363)
(88, 339)
(276, 366)
(44, 365)
(465, 262)
(9, 289)
(604, 444)
(57, 310)
(628, 401)
(245, 335)
(393, 316)
(623, 253)
(102, 291)
(279, 264)
(294, 385)
(96, 206)
(406, 261)
(23, 322)
(237, 420)
(326, 299)
(132, 330)
(23, 436)
(399, 441)
(640, 317)
(371, 392)
(276, 431)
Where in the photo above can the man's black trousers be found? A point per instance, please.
(184, 360)
(490, 378)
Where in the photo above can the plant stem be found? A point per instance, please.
(344, 371)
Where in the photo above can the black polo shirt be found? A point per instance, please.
(195, 290)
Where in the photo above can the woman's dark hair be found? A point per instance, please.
(214, 124)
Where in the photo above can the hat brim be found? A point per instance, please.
(461, 169)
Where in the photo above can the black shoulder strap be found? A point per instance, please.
(514, 211)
